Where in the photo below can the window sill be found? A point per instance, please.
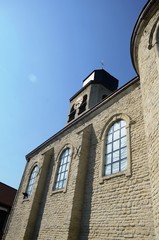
(104, 178)
(26, 200)
(58, 191)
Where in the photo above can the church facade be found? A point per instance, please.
(98, 178)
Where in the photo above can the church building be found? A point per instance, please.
(98, 177)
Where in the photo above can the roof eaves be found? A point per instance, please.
(48, 141)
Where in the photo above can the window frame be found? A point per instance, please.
(26, 195)
(58, 163)
(105, 131)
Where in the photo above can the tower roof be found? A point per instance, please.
(99, 76)
(102, 77)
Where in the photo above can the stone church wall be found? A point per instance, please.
(120, 207)
(147, 62)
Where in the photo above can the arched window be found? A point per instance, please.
(62, 172)
(31, 181)
(83, 105)
(116, 148)
(72, 113)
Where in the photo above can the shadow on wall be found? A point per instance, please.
(87, 203)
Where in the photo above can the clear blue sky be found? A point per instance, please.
(47, 48)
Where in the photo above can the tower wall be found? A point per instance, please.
(146, 59)
(97, 86)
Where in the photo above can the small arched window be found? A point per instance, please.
(83, 105)
(72, 113)
(31, 181)
(116, 148)
(62, 172)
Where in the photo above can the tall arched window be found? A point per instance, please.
(62, 172)
(31, 181)
(116, 148)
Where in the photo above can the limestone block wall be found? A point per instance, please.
(120, 207)
(24, 213)
(148, 65)
(62, 213)
(53, 213)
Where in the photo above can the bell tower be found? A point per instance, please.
(96, 86)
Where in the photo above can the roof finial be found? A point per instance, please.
(102, 63)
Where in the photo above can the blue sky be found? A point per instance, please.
(47, 48)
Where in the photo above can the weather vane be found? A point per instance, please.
(102, 64)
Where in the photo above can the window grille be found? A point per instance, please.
(116, 149)
(61, 177)
(31, 181)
